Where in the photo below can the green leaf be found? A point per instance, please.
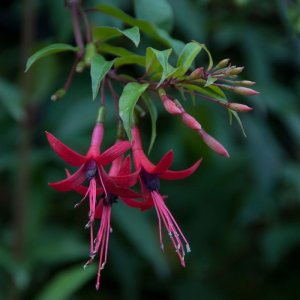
(66, 283)
(210, 80)
(10, 98)
(153, 116)
(130, 95)
(159, 13)
(99, 68)
(118, 51)
(148, 28)
(187, 56)
(209, 91)
(210, 62)
(103, 33)
(157, 61)
(129, 60)
(236, 116)
(51, 49)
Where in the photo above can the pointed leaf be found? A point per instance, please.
(210, 62)
(130, 95)
(153, 116)
(99, 68)
(209, 91)
(187, 57)
(130, 60)
(103, 33)
(236, 116)
(155, 58)
(51, 49)
(147, 27)
(210, 80)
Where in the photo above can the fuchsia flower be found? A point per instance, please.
(150, 176)
(108, 186)
(119, 167)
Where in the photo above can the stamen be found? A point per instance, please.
(174, 232)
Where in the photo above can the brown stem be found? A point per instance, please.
(74, 6)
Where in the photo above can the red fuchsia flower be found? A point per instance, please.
(120, 168)
(91, 167)
(150, 176)
(109, 186)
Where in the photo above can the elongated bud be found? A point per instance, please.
(213, 144)
(239, 90)
(239, 107)
(247, 83)
(80, 67)
(58, 94)
(170, 106)
(222, 64)
(236, 71)
(90, 51)
(101, 115)
(190, 121)
(196, 74)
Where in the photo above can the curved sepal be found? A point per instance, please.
(70, 183)
(174, 175)
(64, 152)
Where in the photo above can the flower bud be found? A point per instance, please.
(190, 121)
(58, 94)
(213, 144)
(80, 67)
(196, 74)
(236, 71)
(171, 106)
(246, 83)
(239, 90)
(239, 107)
(222, 64)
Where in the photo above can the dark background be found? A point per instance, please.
(241, 215)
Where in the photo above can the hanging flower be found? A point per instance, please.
(150, 176)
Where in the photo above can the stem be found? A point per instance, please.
(88, 33)
(74, 6)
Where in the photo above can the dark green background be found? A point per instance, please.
(241, 215)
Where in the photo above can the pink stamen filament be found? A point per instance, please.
(103, 240)
(172, 227)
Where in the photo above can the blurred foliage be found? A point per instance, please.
(241, 216)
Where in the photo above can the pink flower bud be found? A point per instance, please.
(171, 106)
(213, 144)
(239, 90)
(245, 91)
(190, 121)
(239, 107)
